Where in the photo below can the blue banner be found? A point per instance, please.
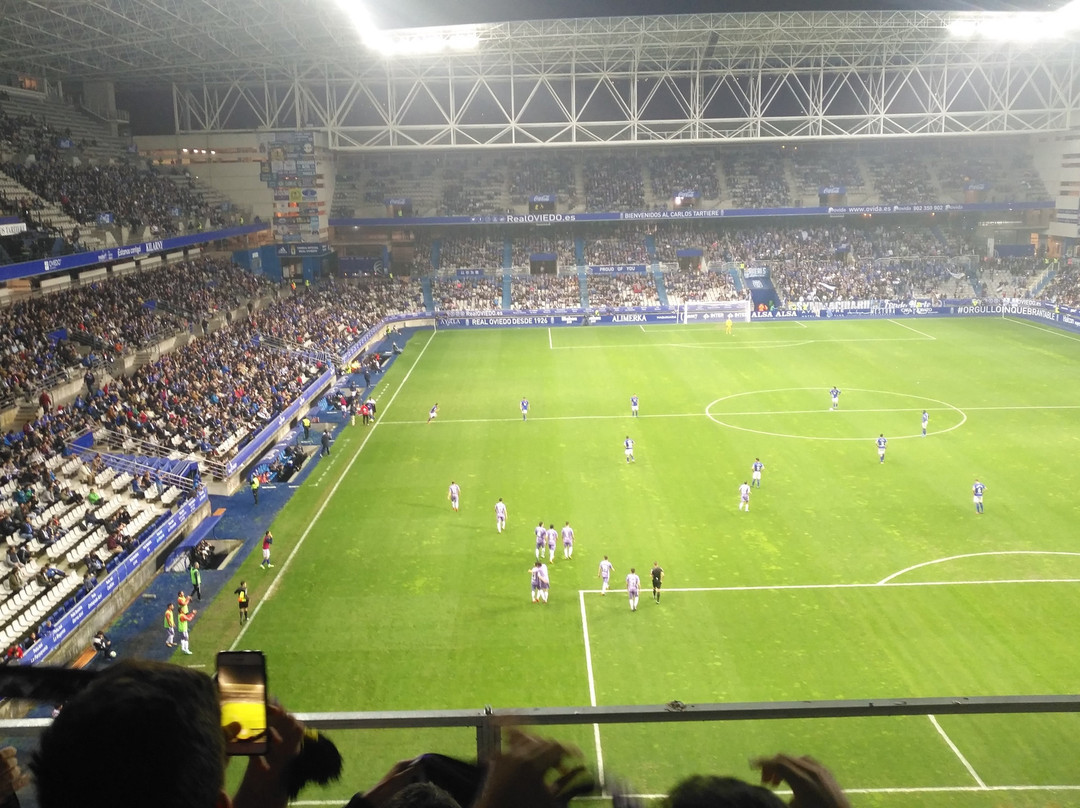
(543, 257)
(681, 214)
(398, 202)
(831, 190)
(27, 269)
(104, 219)
(64, 143)
(146, 549)
(689, 252)
(687, 194)
(527, 318)
(469, 273)
(617, 269)
(549, 198)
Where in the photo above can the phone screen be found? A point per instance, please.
(241, 680)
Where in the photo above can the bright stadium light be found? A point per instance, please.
(1018, 26)
(408, 41)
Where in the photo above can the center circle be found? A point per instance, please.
(827, 411)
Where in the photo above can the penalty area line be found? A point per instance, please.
(329, 497)
(956, 751)
(879, 585)
(909, 328)
(1053, 331)
(592, 689)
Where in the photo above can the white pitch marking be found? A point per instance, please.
(909, 328)
(1053, 331)
(787, 792)
(755, 412)
(643, 329)
(886, 580)
(885, 790)
(592, 690)
(957, 752)
(550, 346)
(767, 343)
(329, 498)
(879, 585)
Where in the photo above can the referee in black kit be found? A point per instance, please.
(657, 580)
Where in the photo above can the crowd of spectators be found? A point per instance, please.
(1012, 277)
(545, 292)
(824, 167)
(467, 294)
(901, 176)
(26, 134)
(40, 335)
(698, 286)
(1064, 286)
(465, 251)
(543, 174)
(136, 197)
(733, 175)
(685, 170)
(522, 249)
(756, 178)
(618, 244)
(622, 290)
(613, 183)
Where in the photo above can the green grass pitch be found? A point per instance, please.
(390, 600)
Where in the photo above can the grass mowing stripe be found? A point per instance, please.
(957, 752)
(329, 498)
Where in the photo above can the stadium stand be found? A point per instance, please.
(729, 176)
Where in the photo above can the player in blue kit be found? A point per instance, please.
(977, 490)
(882, 442)
(925, 421)
(524, 409)
(633, 406)
(835, 394)
(628, 448)
(433, 412)
(756, 470)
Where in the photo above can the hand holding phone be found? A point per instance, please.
(241, 680)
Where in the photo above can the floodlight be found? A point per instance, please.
(408, 41)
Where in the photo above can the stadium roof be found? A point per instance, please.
(157, 42)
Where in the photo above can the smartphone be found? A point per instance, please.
(241, 681)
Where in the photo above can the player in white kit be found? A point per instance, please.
(454, 495)
(500, 515)
(606, 568)
(633, 588)
(552, 540)
(744, 497)
(567, 542)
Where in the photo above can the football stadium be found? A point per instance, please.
(621, 409)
